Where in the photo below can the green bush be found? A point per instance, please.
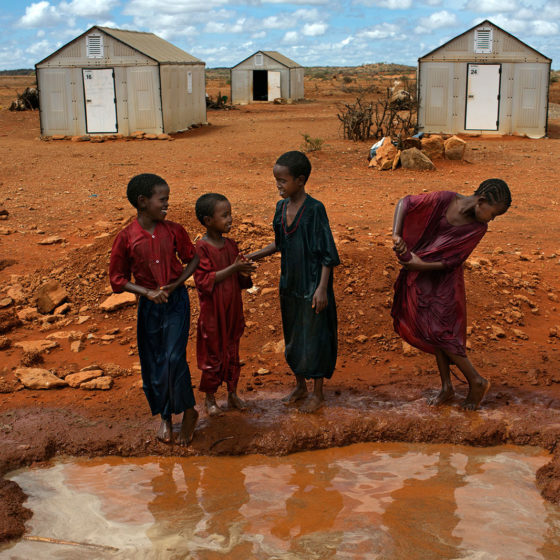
(311, 144)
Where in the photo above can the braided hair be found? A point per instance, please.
(495, 191)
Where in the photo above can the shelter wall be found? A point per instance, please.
(296, 83)
(242, 83)
(63, 107)
(442, 90)
(183, 96)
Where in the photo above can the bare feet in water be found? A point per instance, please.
(476, 393)
(299, 393)
(313, 403)
(235, 402)
(445, 395)
(211, 406)
(186, 434)
(165, 432)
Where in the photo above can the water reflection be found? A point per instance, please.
(367, 501)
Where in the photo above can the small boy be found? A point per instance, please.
(221, 275)
(308, 254)
(149, 250)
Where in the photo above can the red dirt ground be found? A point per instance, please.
(77, 191)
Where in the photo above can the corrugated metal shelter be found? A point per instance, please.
(484, 80)
(265, 76)
(116, 81)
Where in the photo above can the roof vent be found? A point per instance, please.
(483, 40)
(258, 59)
(94, 46)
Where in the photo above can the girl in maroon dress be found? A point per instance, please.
(221, 275)
(433, 234)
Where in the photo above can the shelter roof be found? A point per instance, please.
(278, 57)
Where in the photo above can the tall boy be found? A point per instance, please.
(154, 251)
(308, 255)
(221, 275)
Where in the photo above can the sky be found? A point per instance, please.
(311, 32)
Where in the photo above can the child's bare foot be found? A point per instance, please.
(445, 395)
(165, 431)
(211, 406)
(235, 402)
(190, 418)
(312, 404)
(476, 393)
(296, 395)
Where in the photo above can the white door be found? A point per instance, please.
(99, 92)
(483, 96)
(274, 85)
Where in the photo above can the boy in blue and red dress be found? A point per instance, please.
(221, 275)
(154, 251)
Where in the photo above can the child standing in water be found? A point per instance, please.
(221, 275)
(154, 251)
(308, 255)
(433, 234)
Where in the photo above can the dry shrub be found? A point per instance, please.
(393, 115)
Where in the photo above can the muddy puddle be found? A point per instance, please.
(366, 501)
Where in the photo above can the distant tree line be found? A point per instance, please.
(18, 72)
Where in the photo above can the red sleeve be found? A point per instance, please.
(185, 248)
(119, 265)
(205, 274)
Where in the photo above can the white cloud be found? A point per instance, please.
(288, 19)
(544, 28)
(299, 2)
(41, 14)
(314, 29)
(389, 4)
(380, 31)
(490, 6)
(87, 8)
(290, 37)
(436, 21)
(153, 8)
(41, 49)
(511, 25)
(226, 27)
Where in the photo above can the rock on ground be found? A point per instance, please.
(38, 378)
(413, 158)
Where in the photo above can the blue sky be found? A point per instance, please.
(312, 32)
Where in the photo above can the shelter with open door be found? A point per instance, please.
(484, 81)
(109, 81)
(266, 76)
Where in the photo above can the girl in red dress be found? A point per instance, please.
(221, 275)
(433, 235)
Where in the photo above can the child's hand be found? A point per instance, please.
(168, 289)
(157, 296)
(320, 300)
(414, 263)
(243, 266)
(399, 246)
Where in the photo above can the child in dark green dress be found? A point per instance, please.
(308, 255)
